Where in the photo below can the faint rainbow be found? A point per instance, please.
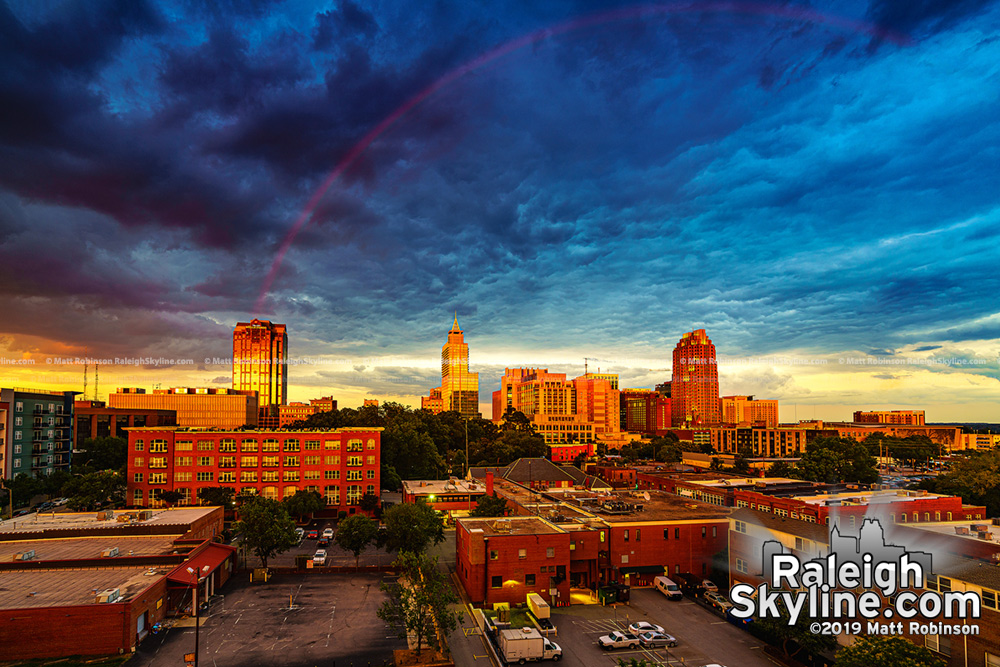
(638, 11)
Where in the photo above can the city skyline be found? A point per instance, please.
(813, 186)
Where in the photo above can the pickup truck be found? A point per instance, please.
(618, 640)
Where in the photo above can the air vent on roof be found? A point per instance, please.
(109, 553)
(105, 515)
(110, 595)
(25, 555)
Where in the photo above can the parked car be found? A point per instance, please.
(718, 601)
(59, 502)
(44, 507)
(328, 533)
(709, 586)
(618, 640)
(23, 512)
(320, 557)
(639, 627)
(657, 639)
(312, 534)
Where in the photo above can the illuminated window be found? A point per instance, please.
(183, 477)
(354, 461)
(371, 443)
(269, 445)
(137, 497)
(312, 445)
(292, 445)
(271, 461)
(311, 474)
(248, 446)
(139, 462)
(158, 446)
(291, 475)
(157, 478)
(355, 446)
(206, 476)
(139, 445)
(290, 491)
(269, 476)
(269, 492)
(332, 460)
(291, 462)
(331, 444)
(331, 474)
(206, 461)
(227, 477)
(227, 445)
(312, 460)
(183, 461)
(206, 446)
(137, 478)
(370, 460)
(332, 495)
(354, 475)
(184, 445)
(227, 461)
(248, 476)
(353, 494)
(370, 474)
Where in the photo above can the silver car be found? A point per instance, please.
(657, 639)
(639, 627)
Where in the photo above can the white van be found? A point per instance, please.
(668, 588)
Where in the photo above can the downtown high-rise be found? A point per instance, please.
(459, 390)
(695, 383)
(260, 363)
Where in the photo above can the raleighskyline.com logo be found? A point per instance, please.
(860, 578)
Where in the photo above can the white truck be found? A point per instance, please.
(527, 644)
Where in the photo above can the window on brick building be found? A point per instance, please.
(704, 531)
(529, 580)
(522, 553)
(494, 554)
(550, 552)
(677, 533)
(496, 582)
(625, 535)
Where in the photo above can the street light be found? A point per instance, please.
(197, 616)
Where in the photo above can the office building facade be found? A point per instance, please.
(459, 390)
(196, 407)
(260, 364)
(37, 431)
(694, 385)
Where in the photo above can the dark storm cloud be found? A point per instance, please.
(751, 169)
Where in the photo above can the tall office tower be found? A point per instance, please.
(459, 390)
(260, 356)
(746, 410)
(694, 386)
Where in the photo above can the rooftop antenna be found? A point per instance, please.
(97, 379)
(85, 382)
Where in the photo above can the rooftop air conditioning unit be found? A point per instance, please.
(145, 515)
(109, 596)
(109, 553)
(961, 530)
(25, 555)
(105, 515)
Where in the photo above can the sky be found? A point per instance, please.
(815, 184)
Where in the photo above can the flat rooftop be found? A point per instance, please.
(77, 548)
(633, 506)
(71, 587)
(514, 525)
(183, 517)
(865, 497)
(442, 486)
(949, 528)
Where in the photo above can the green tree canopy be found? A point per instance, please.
(96, 489)
(355, 533)
(876, 651)
(975, 479)
(217, 495)
(781, 469)
(171, 497)
(833, 459)
(794, 639)
(304, 503)
(411, 527)
(24, 487)
(421, 602)
(101, 454)
(490, 506)
(266, 528)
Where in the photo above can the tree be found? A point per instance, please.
(412, 527)
(741, 465)
(390, 479)
(834, 459)
(419, 602)
(781, 469)
(796, 638)
(24, 487)
(102, 454)
(371, 502)
(217, 495)
(304, 503)
(95, 489)
(976, 479)
(171, 497)
(355, 533)
(877, 651)
(490, 506)
(266, 528)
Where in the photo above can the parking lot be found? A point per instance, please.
(331, 620)
(703, 636)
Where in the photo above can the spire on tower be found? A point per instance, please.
(454, 326)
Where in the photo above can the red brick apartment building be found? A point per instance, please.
(342, 465)
(95, 586)
(450, 496)
(590, 539)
